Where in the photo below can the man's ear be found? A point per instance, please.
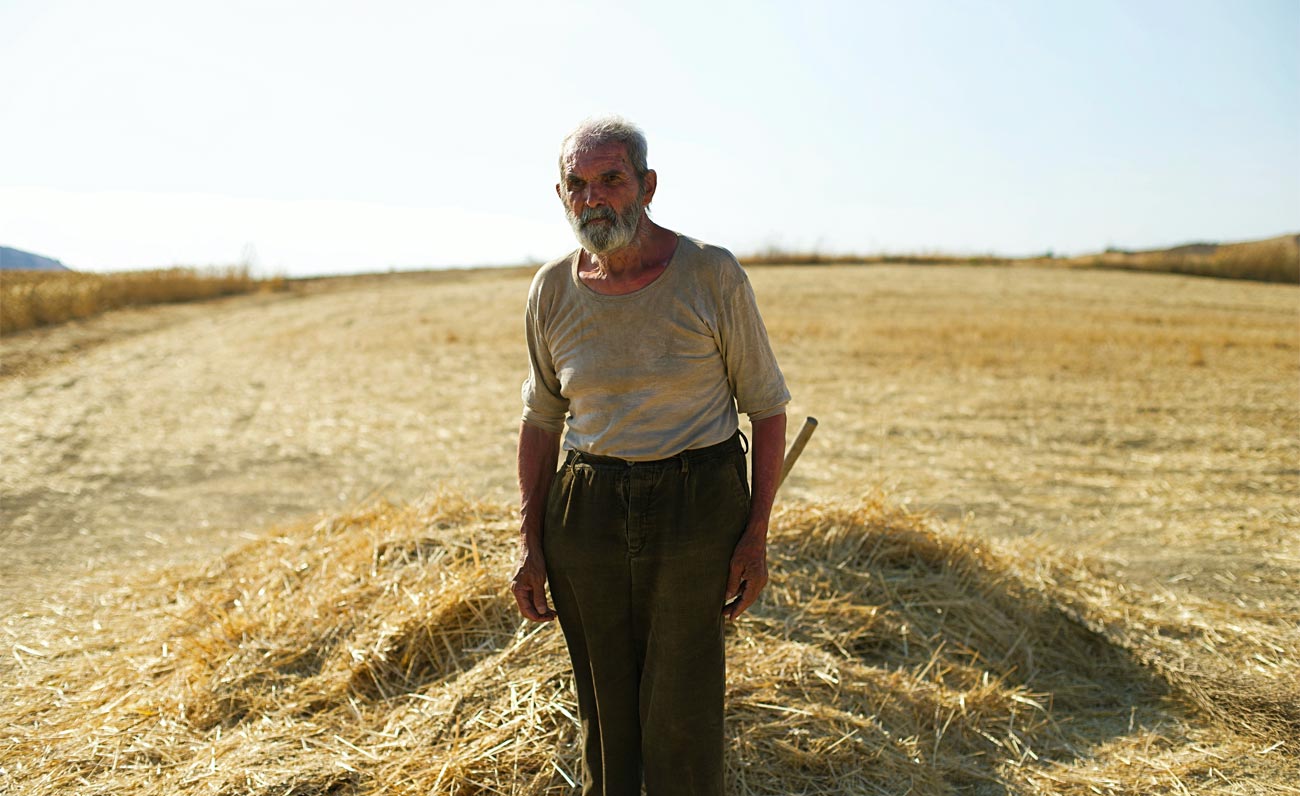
(559, 192)
(651, 180)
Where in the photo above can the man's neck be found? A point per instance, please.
(632, 267)
(646, 251)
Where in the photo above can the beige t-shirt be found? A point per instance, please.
(652, 373)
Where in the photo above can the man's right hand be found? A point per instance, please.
(538, 450)
(529, 585)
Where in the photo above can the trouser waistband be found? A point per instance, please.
(736, 443)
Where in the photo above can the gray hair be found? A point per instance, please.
(601, 130)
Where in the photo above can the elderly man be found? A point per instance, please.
(645, 344)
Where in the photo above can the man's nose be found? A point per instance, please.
(592, 197)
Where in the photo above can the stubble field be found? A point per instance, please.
(1105, 466)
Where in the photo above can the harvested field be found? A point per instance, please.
(1045, 541)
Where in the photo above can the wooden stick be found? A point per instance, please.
(792, 455)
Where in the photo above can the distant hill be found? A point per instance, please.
(18, 260)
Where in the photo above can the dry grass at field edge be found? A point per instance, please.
(38, 298)
(378, 651)
(1272, 260)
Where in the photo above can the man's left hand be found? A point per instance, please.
(748, 573)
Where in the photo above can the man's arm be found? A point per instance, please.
(538, 451)
(749, 561)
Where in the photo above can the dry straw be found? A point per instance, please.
(378, 651)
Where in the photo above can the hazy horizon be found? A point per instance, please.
(359, 138)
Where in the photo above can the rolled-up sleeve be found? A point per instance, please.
(756, 379)
(544, 406)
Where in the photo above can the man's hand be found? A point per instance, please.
(749, 561)
(537, 451)
(748, 573)
(529, 586)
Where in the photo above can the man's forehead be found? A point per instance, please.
(602, 157)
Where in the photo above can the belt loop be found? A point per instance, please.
(686, 463)
(744, 441)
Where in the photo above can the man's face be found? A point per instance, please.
(603, 199)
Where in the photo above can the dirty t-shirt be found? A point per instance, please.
(652, 373)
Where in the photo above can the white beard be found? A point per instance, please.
(603, 238)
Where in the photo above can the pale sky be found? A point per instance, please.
(337, 137)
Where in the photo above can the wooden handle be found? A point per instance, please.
(792, 455)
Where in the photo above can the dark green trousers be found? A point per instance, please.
(637, 555)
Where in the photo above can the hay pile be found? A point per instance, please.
(379, 652)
